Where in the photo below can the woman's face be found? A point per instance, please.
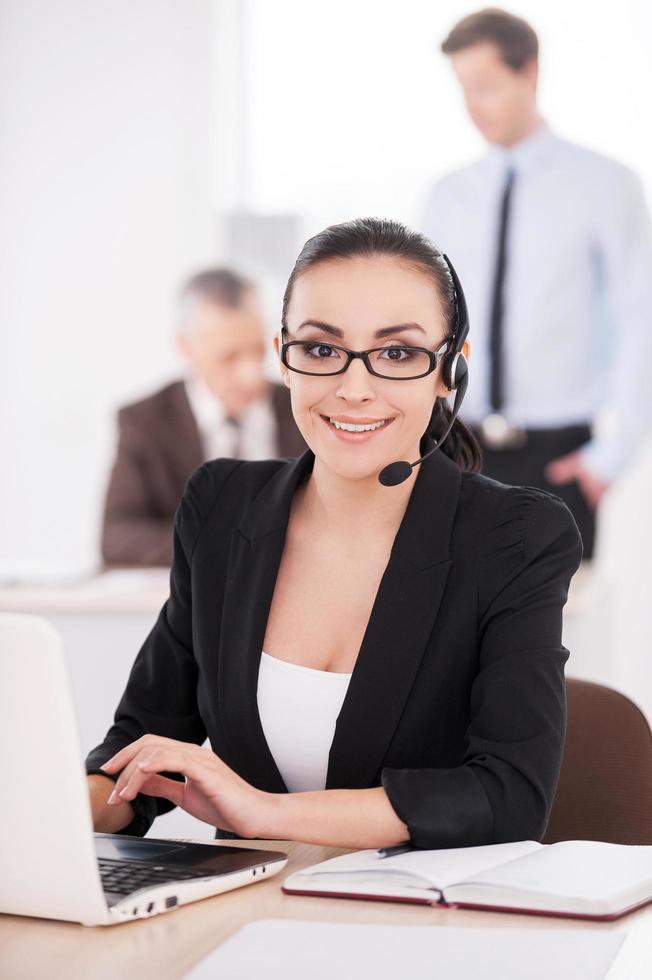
(355, 298)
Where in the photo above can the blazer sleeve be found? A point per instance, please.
(161, 693)
(131, 532)
(505, 787)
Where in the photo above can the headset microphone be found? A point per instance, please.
(395, 473)
(455, 375)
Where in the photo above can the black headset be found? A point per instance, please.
(455, 374)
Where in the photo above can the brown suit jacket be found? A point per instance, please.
(159, 446)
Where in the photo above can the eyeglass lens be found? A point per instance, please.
(390, 362)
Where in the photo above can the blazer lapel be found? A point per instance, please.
(399, 628)
(184, 439)
(254, 558)
(401, 621)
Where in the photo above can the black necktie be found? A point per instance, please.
(496, 392)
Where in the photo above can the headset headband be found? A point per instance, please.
(461, 311)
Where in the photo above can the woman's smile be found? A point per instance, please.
(348, 427)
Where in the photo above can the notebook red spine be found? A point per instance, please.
(367, 898)
(608, 917)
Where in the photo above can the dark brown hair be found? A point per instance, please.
(513, 36)
(381, 236)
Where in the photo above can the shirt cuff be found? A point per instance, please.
(602, 461)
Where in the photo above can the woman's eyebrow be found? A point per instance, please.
(383, 332)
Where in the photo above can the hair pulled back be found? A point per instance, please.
(382, 236)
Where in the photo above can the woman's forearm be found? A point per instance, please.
(356, 818)
(107, 819)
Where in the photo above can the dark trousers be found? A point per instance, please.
(524, 467)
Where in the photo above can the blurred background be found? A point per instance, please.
(141, 141)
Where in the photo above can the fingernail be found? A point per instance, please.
(112, 797)
(104, 765)
(123, 791)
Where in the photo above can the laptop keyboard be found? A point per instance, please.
(124, 877)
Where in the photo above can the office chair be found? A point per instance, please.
(605, 785)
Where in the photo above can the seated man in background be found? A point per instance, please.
(224, 407)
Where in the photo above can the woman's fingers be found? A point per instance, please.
(160, 759)
(129, 758)
(127, 774)
(125, 756)
(186, 795)
(169, 789)
(212, 791)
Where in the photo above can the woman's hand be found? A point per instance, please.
(107, 819)
(212, 791)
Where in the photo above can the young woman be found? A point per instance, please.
(371, 664)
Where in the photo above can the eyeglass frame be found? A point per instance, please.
(434, 356)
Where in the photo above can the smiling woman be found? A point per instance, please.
(372, 663)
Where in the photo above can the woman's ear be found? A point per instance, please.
(442, 390)
(277, 350)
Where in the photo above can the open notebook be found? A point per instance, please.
(580, 879)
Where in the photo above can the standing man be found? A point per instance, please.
(552, 242)
(224, 406)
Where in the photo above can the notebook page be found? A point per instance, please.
(445, 866)
(594, 870)
(437, 867)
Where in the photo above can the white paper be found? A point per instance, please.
(281, 949)
(439, 867)
(579, 869)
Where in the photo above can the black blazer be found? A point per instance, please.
(456, 704)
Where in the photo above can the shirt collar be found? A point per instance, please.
(527, 152)
(208, 411)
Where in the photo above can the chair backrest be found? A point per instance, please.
(605, 785)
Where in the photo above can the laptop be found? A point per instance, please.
(52, 865)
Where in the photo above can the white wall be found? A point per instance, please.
(114, 182)
(353, 110)
(105, 196)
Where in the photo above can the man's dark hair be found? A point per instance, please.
(221, 286)
(513, 36)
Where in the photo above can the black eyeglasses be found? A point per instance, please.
(395, 363)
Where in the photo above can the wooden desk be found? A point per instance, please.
(166, 946)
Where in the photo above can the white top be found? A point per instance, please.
(298, 708)
(578, 288)
(258, 438)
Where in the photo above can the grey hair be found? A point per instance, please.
(217, 286)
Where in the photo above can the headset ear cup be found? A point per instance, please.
(447, 368)
(460, 369)
(455, 368)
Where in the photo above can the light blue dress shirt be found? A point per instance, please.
(577, 326)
